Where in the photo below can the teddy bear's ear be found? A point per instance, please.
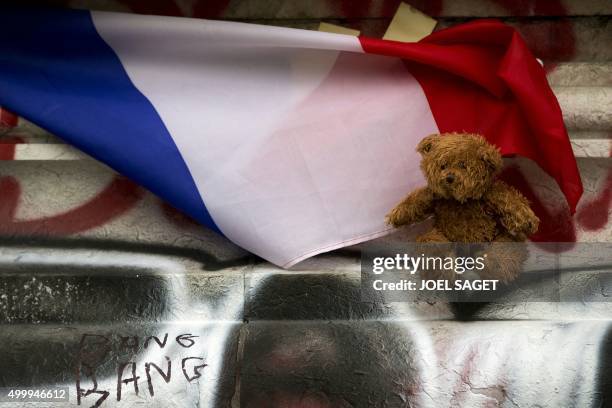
(492, 159)
(427, 143)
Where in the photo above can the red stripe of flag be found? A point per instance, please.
(481, 78)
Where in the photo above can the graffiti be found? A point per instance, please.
(7, 119)
(297, 339)
(594, 214)
(114, 200)
(132, 317)
(308, 339)
(462, 387)
(177, 217)
(94, 349)
(551, 41)
(8, 142)
(554, 41)
(118, 197)
(556, 223)
(8, 145)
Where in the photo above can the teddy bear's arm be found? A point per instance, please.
(513, 209)
(417, 206)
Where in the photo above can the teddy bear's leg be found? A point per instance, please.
(434, 235)
(505, 258)
(514, 211)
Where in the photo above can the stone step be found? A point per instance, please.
(588, 74)
(53, 356)
(587, 108)
(387, 361)
(71, 286)
(321, 9)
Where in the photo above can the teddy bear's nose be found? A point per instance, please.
(450, 178)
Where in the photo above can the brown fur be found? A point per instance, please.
(467, 202)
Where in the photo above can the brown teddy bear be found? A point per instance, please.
(468, 203)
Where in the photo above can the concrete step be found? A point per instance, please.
(59, 356)
(322, 9)
(587, 108)
(252, 364)
(46, 284)
(587, 74)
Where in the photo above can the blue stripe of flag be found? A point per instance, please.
(56, 71)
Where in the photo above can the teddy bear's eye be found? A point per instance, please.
(443, 166)
(461, 165)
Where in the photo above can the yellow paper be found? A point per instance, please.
(409, 25)
(336, 29)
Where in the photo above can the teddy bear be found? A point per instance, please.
(468, 203)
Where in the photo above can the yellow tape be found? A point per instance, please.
(409, 25)
(336, 29)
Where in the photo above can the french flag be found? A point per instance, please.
(288, 142)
